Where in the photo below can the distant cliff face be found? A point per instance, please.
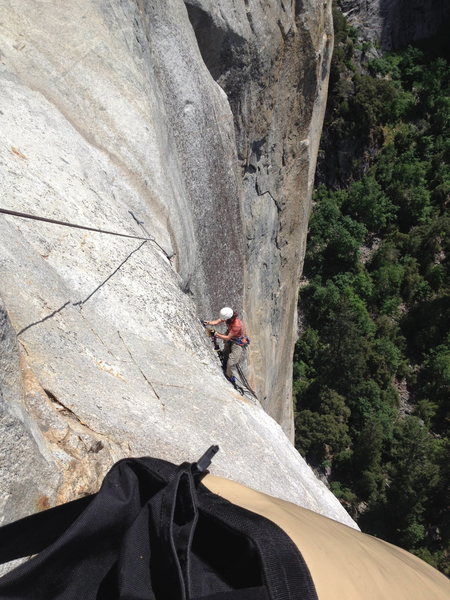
(196, 124)
(272, 60)
(396, 23)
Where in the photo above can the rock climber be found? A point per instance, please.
(235, 339)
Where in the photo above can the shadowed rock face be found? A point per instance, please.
(395, 23)
(201, 121)
(272, 61)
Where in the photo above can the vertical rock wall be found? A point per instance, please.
(272, 59)
(395, 23)
(236, 225)
(201, 120)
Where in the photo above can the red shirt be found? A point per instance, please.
(236, 328)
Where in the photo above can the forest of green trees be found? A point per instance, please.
(372, 364)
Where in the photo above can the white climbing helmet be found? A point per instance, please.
(226, 313)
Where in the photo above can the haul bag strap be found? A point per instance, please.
(32, 534)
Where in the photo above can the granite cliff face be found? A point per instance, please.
(272, 61)
(396, 23)
(196, 124)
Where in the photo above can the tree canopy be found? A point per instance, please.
(372, 364)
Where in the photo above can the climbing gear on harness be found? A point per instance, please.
(241, 341)
(226, 313)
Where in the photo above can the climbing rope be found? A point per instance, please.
(14, 213)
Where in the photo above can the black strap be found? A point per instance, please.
(32, 534)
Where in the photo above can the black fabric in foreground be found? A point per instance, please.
(152, 532)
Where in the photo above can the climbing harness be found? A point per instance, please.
(243, 341)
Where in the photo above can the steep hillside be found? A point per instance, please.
(373, 361)
(111, 117)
